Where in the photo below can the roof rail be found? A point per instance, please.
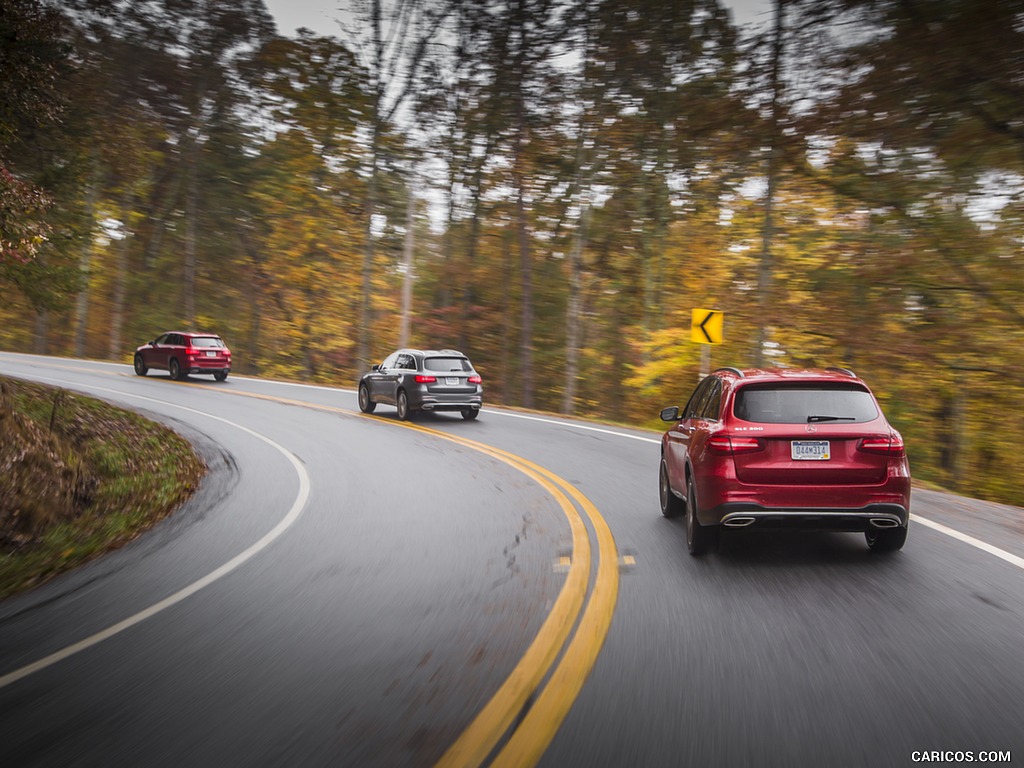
(729, 369)
(847, 371)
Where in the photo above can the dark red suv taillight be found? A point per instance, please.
(891, 445)
(730, 445)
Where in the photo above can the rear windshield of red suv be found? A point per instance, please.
(206, 341)
(803, 403)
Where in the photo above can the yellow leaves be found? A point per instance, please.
(668, 354)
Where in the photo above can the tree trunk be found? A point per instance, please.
(257, 281)
(957, 441)
(407, 258)
(766, 267)
(41, 333)
(114, 351)
(84, 266)
(526, 298)
(191, 234)
(522, 226)
(574, 315)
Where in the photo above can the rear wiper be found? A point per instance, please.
(830, 418)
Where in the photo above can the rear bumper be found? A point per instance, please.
(210, 369)
(869, 517)
(835, 507)
(428, 401)
(452, 405)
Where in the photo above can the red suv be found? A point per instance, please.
(805, 449)
(183, 353)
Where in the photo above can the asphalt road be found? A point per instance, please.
(347, 590)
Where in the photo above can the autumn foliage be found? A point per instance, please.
(562, 183)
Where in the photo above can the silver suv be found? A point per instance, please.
(423, 380)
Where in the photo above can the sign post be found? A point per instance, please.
(706, 326)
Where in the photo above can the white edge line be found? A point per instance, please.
(978, 543)
(510, 414)
(293, 514)
(570, 425)
(984, 547)
(1002, 554)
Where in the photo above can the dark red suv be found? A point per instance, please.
(183, 353)
(806, 449)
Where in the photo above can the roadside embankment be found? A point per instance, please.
(79, 477)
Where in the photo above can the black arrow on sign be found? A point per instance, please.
(705, 330)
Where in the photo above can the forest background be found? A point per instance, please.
(551, 186)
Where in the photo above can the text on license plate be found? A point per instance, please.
(451, 380)
(210, 353)
(813, 450)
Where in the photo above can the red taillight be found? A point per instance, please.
(191, 352)
(421, 379)
(475, 380)
(891, 445)
(731, 445)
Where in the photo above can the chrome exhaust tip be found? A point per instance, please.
(738, 522)
(884, 522)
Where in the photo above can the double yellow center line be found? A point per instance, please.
(518, 723)
(537, 726)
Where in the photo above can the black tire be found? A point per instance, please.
(174, 368)
(220, 375)
(886, 539)
(671, 505)
(141, 369)
(366, 405)
(700, 539)
(402, 402)
(470, 413)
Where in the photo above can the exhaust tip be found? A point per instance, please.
(738, 522)
(884, 522)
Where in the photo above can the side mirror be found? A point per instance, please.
(670, 414)
(375, 367)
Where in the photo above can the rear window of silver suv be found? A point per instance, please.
(447, 364)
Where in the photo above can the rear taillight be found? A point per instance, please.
(421, 379)
(891, 445)
(191, 352)
(732, 445)
(475, 380)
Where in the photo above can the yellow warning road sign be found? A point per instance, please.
(706, 326)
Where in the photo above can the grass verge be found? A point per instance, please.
(79, 477)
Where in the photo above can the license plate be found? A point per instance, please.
(211, 353)
(451, 380)
(809, 450)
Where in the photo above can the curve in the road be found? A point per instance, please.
(552, 690)
(293, 514)
(524, 715)
(535, 709)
